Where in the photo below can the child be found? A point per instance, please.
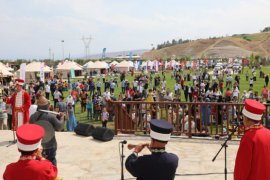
(71, 122)
(147, 123)
(89, 103)
(104, 117)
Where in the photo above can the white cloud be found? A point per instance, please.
(29, 30)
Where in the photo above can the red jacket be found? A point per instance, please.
(26, 105)
(253, 156)
(30, 169)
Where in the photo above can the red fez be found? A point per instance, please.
(19, 82)
(29, 137)
(253, 109)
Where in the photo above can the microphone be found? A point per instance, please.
(123, 142)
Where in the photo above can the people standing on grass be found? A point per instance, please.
(89, 105)
(71, 122)
(104, 117)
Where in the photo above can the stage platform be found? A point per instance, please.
(83, 158)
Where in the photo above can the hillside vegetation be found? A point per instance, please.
(239, 45)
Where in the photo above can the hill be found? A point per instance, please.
(239, 45)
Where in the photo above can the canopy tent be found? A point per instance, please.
(124, 66)
(147, 63)
(64, 68)
(98, 66)
(89, 64)
(32, 71)
(4, 71)
(114, 63)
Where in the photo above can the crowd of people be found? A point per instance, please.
(45, 104)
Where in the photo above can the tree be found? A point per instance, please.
(174, 42)
(251, 59)
(266, 29)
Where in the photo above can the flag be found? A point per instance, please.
(72, 73)
(103, 53)
(136, 65)
(194, 64)
(151, 65)
(22, 71)
(130, 55)
(42, 72)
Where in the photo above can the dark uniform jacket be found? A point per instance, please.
(56, 124)
(157, 166)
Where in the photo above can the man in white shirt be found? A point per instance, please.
(47, 91)
(135, 85)
(99, 87)
(56, 96)
(107, 95)
(176, 88)
(112, 86)
(33, 107)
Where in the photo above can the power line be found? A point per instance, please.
(86, 42)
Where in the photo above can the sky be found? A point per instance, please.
(29, 28)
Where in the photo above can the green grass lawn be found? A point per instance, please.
(244, 85)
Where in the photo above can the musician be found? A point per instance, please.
(253, 160)
(50, 147)
(21, 103)
(31, 164)
(159, 165)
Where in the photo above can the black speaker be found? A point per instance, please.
(84, 129)
(103, 134)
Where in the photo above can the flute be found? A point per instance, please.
(131, 146)
(46, 111)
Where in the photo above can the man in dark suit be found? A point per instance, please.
(159, 165)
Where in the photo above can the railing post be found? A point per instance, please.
(116, 118)
(189, 121)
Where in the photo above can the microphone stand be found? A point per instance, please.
(122, 162)
(224, 145)
(14, 140)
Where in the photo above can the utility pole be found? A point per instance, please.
(50, 53)
(63, 50)
(86, 42)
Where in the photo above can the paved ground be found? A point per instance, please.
(83, 158)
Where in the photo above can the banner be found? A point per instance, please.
(103, 53)
(194, 64)
(136, 65)
(22, 71)
(42, 72)
(130, 55)
(72, 73)
(166, 64)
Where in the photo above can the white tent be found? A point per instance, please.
(114, 63)
(98, 66)
(4, 70)
(36, 66)
(89, 64)
(32, 71)
(64, 68)
(144, 64)
(124, 66)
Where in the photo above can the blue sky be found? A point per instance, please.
(29, 28)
